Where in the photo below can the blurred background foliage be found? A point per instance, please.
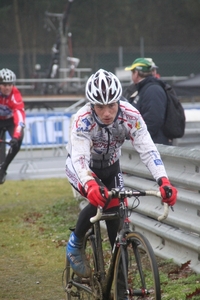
(106, 34)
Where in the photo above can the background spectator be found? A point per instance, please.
(149, 98)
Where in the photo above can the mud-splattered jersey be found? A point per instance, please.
(91, 141)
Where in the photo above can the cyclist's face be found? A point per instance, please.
(106, 113)
(6, 89)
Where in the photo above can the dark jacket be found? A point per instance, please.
(151, 101)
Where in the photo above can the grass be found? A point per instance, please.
(34, 219)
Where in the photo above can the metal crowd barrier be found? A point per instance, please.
(66, 83)
(191, 137)
(178, 237)
(43, 151)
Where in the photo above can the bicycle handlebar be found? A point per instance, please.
(115, 193)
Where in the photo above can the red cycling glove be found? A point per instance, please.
(168, 192)
(96, 194)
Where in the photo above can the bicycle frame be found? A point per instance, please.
(104, 277)
(107, 279)
(3, 144)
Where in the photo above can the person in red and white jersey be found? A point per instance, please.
(12, 117)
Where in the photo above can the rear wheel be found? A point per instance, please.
(73, 285)
(142, 276)
(82, 288)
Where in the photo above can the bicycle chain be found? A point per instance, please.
(98, 293)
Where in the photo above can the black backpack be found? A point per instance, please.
(174, 126)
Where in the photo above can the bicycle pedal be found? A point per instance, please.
(81, 280)
(68, 288)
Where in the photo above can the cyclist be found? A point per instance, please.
(12, 117)
(98, 131)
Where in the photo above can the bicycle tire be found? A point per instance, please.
(72, 291)
(142, 276)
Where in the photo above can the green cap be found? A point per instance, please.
(140, 64)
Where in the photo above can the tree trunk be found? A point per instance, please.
(19, 38)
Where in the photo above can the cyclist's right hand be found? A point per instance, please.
(97, 195)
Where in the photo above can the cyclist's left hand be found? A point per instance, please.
(14, 142)
(168, 192)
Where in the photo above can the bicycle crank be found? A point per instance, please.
(98, 293)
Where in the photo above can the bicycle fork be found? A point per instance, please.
(123, 274)
(122, 277)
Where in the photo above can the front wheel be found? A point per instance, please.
(142, 272)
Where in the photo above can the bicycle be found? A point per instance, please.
(132, 272)
(3, 151)
(2, 144)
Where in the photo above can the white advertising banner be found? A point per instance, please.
(48, 129)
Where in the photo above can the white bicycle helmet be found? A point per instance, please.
(7, 76)
(103, 88)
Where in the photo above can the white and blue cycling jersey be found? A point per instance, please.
(92, 144)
